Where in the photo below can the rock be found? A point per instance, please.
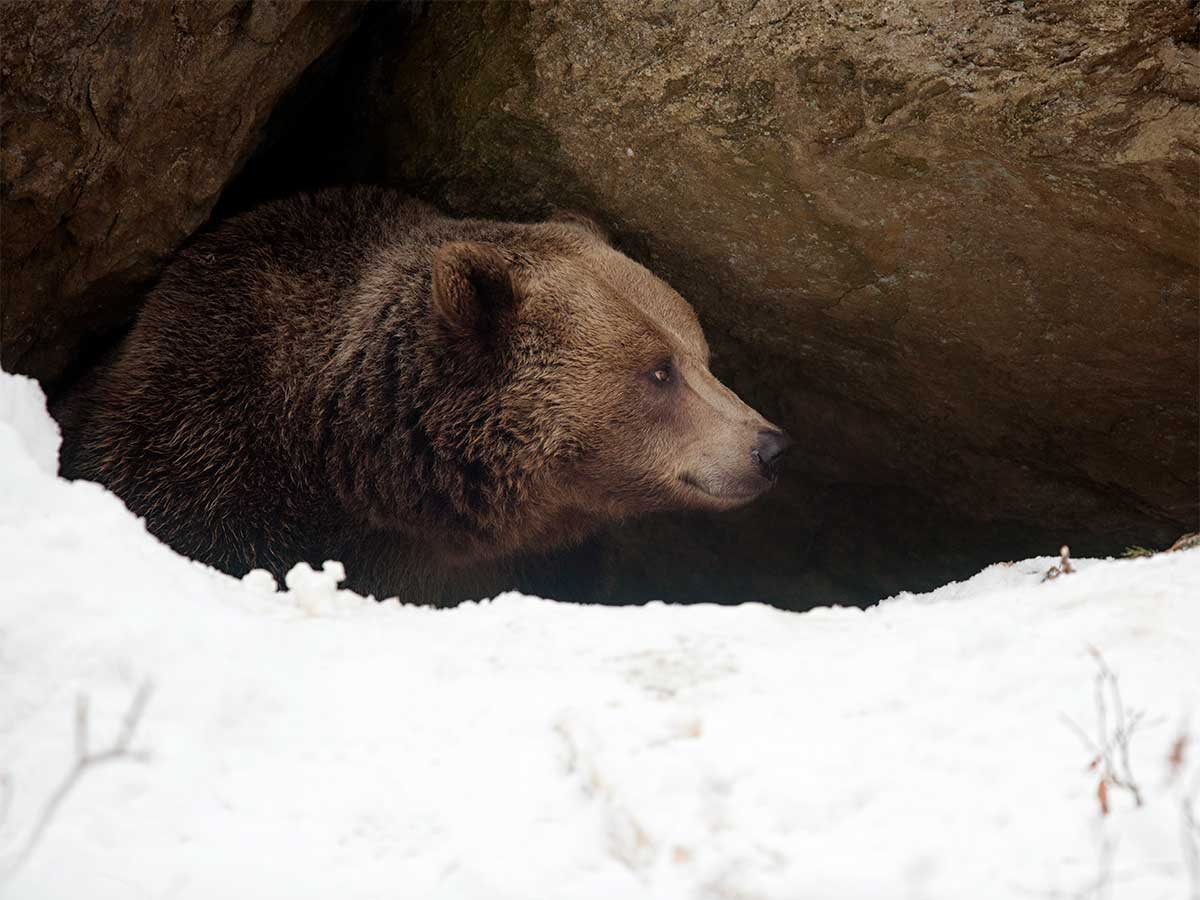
(122, 123)
(953, 247)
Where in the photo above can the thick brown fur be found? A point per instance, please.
(354, 376)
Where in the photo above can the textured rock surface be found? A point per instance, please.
(122, 123)
(953, 246)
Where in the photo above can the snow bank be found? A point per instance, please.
(310, 743)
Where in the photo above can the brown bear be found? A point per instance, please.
(353, 376)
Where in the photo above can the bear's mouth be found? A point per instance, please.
(723, 497)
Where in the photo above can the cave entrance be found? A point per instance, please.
(923, 452)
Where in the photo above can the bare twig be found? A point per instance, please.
(1111, 748)
(1121, 774)
(1064, 566)
(85, 759)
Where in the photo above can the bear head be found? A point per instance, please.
(599, 371)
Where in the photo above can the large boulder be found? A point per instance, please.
(121, 124)
(952, 246)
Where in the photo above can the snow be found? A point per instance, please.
(308, 742)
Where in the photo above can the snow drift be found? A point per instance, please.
(308, 742)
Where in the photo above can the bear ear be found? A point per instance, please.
(585, 222)
(473, 290)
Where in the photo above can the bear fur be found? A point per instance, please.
(353, 376)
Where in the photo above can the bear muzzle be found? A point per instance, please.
(769, 450)
(734, 484)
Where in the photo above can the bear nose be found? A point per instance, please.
(772, 444)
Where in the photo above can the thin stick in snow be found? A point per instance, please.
(1111, 749)
(1064, 566)
(85, 759)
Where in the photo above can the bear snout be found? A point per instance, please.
(772, 444)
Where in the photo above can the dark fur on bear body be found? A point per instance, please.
(354, 376)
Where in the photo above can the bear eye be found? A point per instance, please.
(662, 372)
